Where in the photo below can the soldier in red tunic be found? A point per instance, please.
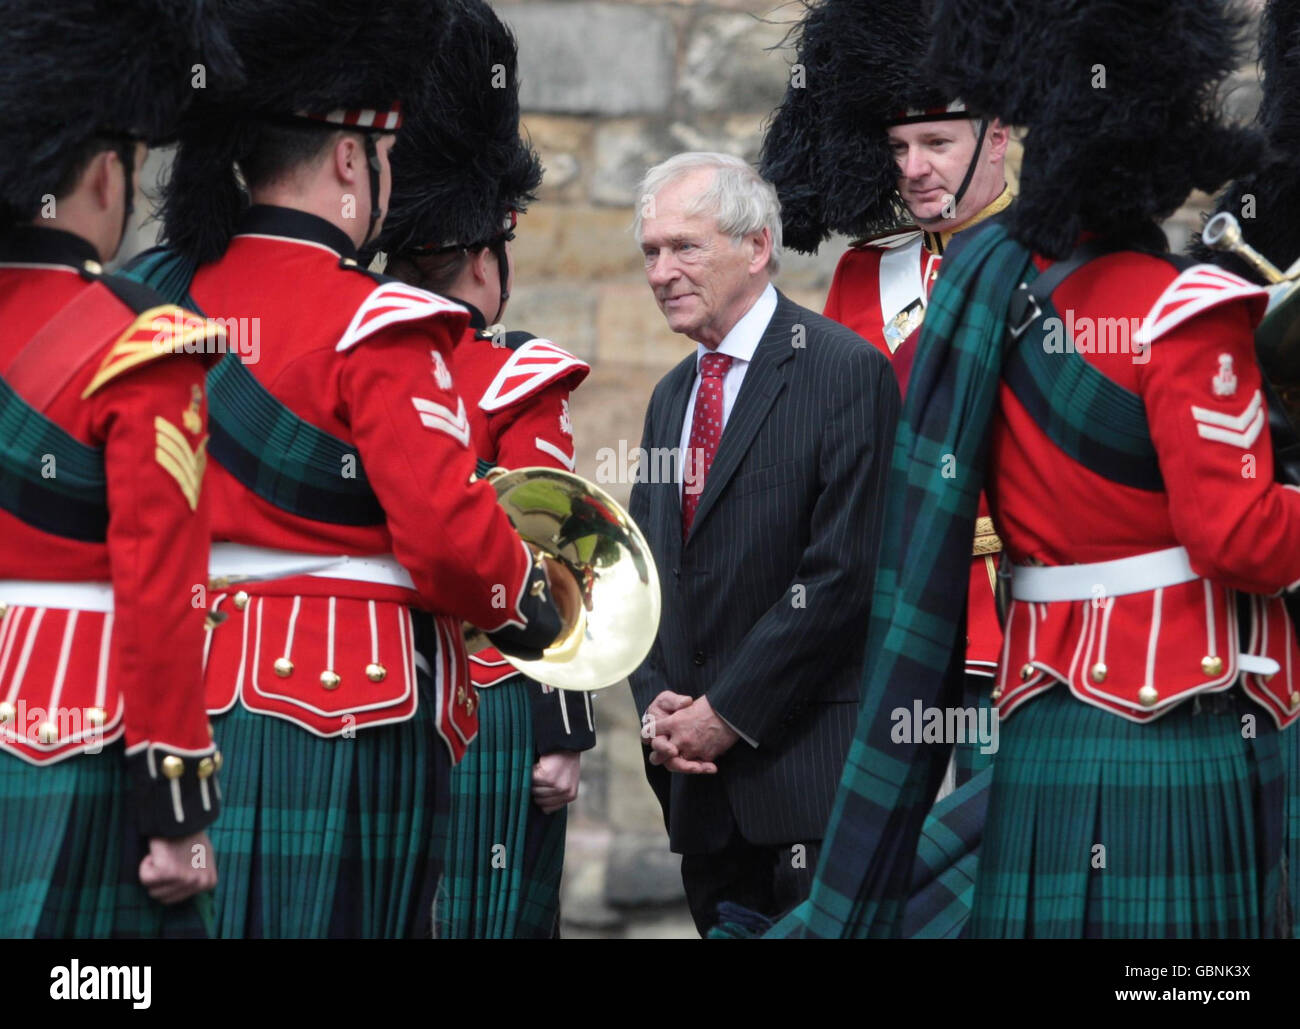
(342, 493)
(107, 761)
(460, 175)
(870, 148)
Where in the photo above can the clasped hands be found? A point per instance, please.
(684, 734)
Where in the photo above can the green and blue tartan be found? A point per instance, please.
(947, 858)
(968, 756)
(936, 472)
(504, 855)
(1102, 827)
(70, 856)
(331, 838)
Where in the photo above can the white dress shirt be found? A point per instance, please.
(739, 344)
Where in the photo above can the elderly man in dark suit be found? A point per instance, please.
(765, 537)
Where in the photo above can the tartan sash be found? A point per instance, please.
(268, 448)
(917, 614)
(49, 479)
(1098, 422)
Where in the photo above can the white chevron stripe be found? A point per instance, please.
(536, 364)
(439, 417)
(1239, 430)
(390, 303)
(546, 447)
(1197, 289)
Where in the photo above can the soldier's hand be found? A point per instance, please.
(175, 870)
(555, 779)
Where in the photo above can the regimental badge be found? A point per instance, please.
(566, 425)
(1225, 379)
(441, 373)
(190, 416)
(173, 454)
(903, 324)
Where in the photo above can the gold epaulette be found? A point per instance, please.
(987, 540)
(167, 329)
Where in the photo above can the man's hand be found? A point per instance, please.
(691, 739)
(555, 779)
(169, 870)
(661, 707)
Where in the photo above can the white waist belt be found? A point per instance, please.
(1155, 570)
(234, 562)
(78, 596)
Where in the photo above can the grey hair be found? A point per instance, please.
(740, 199)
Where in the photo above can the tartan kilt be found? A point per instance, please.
(968, 759)
(337, 838)
(504, 855)
(947, 857)
(1187, 810)
(70, 856)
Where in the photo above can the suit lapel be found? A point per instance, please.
(764, 380)
(669, 502)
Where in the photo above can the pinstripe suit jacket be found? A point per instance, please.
(766, 604)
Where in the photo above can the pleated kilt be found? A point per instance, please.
(504, 856)
(967, 757)
(339, 838)
(70, 856)
(1100, 827)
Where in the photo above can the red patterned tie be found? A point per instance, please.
(706, 430)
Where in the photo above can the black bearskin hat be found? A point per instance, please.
(460, 165)
(75, 70)
(1267, 203)
(312, 58)
(1120, 103)
(859, 69)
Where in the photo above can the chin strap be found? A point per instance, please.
(498, 247)
(372, 164)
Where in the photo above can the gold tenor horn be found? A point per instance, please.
(1277, 338)
(581, 527)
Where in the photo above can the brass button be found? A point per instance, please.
(1148, 695)
(330, 680)
(173, 767)
(217, 760)
(212, 733)
(348, 262)
(4, 609)
(1099, 671)
(206, 767)
(48, 733)
(1026, 671)
(997, 693)
(376, 672)
(1295, 699)
(7, 711)
(95, 716)
(241, 600)
(93, 267)
(1212, 665)
(283, 667)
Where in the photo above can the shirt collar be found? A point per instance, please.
(740, 343)
(35, 244)
(937, 242)
(269, 220)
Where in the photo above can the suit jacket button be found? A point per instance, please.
(699, 657)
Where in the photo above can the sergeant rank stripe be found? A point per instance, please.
(184, 465)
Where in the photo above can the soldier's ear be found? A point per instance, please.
(483, 263)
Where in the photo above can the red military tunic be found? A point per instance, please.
(74, 678)
(1183, 343)
(518, 388)
(369, 363)
(880, 290)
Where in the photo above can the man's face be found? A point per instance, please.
(932, 160)
(701, 279)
